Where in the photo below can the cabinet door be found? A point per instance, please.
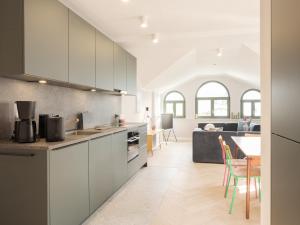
(104, 62)
(120, 60)
(285, 69)
(100, 171)
(143, 156)
(285, 181)
(119, 149)
(69, 185)
(131, 75)
(82, 51)
(23, 189)
(46, 39)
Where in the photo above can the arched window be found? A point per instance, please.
(175, 103)
(212, 100)
(250, 104)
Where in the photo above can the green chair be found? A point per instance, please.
(239, 173)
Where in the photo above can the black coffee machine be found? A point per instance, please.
(25, 125)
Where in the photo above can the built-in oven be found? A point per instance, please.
(133, 140)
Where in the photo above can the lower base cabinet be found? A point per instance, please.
(63, 186)
(119, 151)
(100, 171)
(69, 185)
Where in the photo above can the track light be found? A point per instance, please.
(42, 81)
(220, 52)
(155, 38)
(144, 22)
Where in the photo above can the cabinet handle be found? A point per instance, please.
(17, 155)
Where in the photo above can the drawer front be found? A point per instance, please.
(143, 140)
(143, 129)
(143, 156)
(133, 166)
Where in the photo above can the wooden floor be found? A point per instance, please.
(174, 191)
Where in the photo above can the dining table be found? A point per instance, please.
(251, 147)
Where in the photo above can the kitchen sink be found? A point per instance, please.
(84, 132)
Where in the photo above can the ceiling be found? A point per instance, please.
(190, 33)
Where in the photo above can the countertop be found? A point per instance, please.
(70, 139)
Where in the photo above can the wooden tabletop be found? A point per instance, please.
(251, 146)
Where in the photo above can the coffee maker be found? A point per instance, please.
(25, 125)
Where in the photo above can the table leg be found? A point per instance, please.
(248, 188)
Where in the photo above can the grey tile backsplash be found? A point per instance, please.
(66, 102)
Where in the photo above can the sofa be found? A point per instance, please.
(206, 146)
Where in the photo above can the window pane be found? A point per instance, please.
(252, 95)
(174, 96)
(257, 111)
(247, 107)
(179, 109)
(212, 89)
(220, 108)
(169, 108)
(204, 107)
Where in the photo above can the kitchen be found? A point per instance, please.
(55, 63)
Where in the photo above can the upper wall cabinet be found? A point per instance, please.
(43, 39)
(82, 51)
(131, 75)
(104, 62)
(46, 39)
(34, 39)
(120, 60)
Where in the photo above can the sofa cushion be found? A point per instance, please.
(206, 146)
(226, 126)
(230, 127)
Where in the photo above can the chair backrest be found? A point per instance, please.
(228, 157)
(221, 141)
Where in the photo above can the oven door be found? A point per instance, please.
(133, 145)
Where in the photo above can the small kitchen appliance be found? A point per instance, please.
(25, 125)
(55, 129)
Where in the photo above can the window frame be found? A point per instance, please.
(174, 102)
(252, 103)
(212, 100)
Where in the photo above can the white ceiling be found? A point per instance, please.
(190, 31)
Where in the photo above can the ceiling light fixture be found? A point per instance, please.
(93, 90)
(123, 92)
(125, 1)
(155, 38)
(144, 22)
(220, 52)
(42, 81)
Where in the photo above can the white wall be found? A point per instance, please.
(266, 110)
(184, 127)
(133, 107)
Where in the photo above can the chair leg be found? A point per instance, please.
(174, 135)
(259, 188)
(225, 174)
(233, 195)
(227, 185)
(255, 183)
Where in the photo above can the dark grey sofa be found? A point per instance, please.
(206, 147)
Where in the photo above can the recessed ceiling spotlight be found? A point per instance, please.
(220, 52)
(125, 1)
(93, 90)
(42, 81)
(155, 38)
(144, 22)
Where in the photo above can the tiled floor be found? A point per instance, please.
(175, 191)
